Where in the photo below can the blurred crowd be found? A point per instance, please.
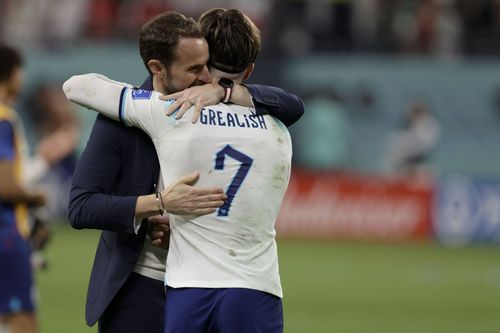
(436, 27)
(55, 23)
(326, 138)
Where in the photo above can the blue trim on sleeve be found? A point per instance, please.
(121, 107)
(7, 149)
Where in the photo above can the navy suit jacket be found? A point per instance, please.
(119, 164)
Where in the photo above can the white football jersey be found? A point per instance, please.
(233, 148)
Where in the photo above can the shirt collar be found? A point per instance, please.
(147, 84)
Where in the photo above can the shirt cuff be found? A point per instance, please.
(252, 100)
(137, 225)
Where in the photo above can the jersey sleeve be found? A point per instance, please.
(144, 109)
(119, 101)
(96, 92)
(7, 150)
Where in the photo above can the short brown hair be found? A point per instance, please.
(11, 59)
(159, 37)
(233, 39)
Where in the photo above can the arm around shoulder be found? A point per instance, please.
(287, 107)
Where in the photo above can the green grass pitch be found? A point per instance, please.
(328, 286)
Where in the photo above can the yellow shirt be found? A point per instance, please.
(20, 209)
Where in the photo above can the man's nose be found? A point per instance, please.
(205, 75)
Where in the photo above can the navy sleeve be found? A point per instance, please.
(92, 204)
(288, 108)
(7, 150)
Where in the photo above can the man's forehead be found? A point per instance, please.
(192, 51)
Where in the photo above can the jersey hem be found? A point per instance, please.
(225, 284)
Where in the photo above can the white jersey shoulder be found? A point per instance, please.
(144, 109)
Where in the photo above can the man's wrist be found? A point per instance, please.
(137, 225)
(228, 86)
(146, 206)
(220, 90)
(241, 96)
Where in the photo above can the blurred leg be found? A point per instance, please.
(17, 310)
(23, 322)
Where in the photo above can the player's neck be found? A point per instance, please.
(157, 86)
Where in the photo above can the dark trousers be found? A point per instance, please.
(222, 310)
(138, 307)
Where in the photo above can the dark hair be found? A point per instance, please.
(233, 39)
(10, 59)
(159, 37)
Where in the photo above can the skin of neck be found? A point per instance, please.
(238, 80)
(158, 86)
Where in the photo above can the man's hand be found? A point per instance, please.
(159, 230)
(199, 96)
(38, 199)
(59, 144)
(182, 198)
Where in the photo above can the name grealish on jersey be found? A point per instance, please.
(229, 119)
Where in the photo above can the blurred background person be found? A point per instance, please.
(17, 306)
(428, 27)
(322, 138)
(49, 113)
(410, 148)
(17, 195)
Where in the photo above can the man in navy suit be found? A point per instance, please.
(117, 172)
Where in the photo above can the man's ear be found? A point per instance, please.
(156, 68)
(248, 71)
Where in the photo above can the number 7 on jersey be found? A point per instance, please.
(233, 188)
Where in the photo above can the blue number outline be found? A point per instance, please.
(246, 163)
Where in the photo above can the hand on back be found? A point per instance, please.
(182, 198)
